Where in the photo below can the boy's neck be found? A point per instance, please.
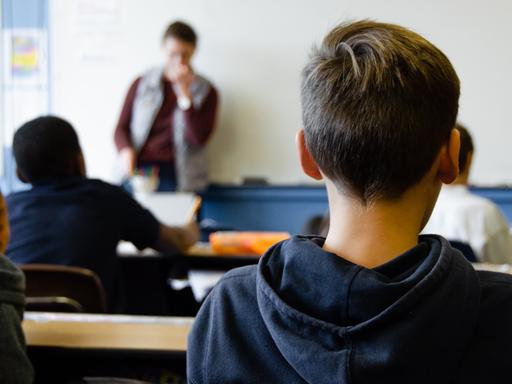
(377, 233)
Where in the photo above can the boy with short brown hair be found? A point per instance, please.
(373, 302)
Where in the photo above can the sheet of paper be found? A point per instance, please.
(172, 209)
(127, 249)
(202, 282)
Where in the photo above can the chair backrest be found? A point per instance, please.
(64, 288)
(53, 304)
(465, 249)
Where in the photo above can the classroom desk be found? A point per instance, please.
(201, 249)
(145, 277)
(113, 332)
(66, 347)
(502, 268)
(199, 256)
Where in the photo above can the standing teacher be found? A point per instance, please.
(168, 116)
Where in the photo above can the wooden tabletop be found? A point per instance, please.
(201, 249)
(205, 250)
(120, 332)
(503, 268)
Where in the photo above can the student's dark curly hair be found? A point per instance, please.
(46, 148)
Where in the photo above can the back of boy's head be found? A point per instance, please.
(378, 102)
(466, 147)
(46, 148)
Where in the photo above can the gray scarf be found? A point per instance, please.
(191, 164)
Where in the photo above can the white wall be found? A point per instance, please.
(254, 51)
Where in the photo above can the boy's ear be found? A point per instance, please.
(307, 162)
(449, 158)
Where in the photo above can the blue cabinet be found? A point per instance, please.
(263, 208)
(287, 208)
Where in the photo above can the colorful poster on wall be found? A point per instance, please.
(25, 59)
(24, 56)
(25, 79)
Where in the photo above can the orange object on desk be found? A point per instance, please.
(245, 243)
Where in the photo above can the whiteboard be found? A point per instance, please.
(253, 51)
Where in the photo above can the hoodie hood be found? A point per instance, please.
(408, 320)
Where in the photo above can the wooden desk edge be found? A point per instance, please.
(193, 252)
(107, 335)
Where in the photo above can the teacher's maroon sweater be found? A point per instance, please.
(159, 146)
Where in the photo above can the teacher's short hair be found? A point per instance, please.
(378, 103)
(45, 148)
(182, 31)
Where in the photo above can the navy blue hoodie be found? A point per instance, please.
(304, 315)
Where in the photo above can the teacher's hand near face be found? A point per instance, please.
(182, 77)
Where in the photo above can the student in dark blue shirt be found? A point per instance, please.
(373, 302)
(66, 218)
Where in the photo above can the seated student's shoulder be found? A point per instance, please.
(237, 287)
(496, 291)
(110, 193)
(489, 350)
(101, 185)
(15, 197)
(232, 298)
(495, 314)
(481, 204)
(229, 337)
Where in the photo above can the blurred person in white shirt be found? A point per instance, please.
(461, 215)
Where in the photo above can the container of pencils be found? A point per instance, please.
(244, 243)
(145, 180)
